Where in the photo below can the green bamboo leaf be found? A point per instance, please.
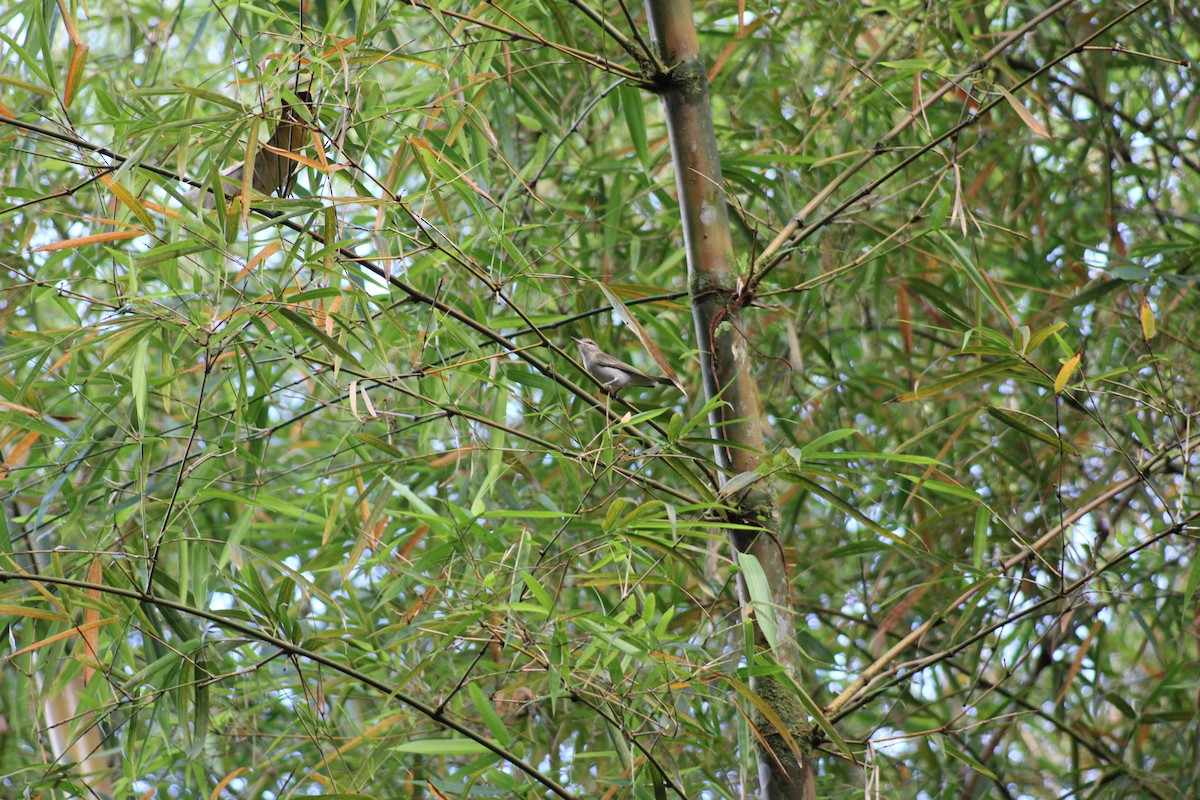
(1193, 583)
(121, 342)
(862, 455)
(263, 500)
(983, 518)
(215, 98)
(942, 487)
(380, 445)
(1032, 426)
(137, 373)
(1006, 368)
(479, 503)
(300, 321)
(539, 592)
(761, 598)
(442, 747)
(635, 120)
(826, 439)
(1036, 340)
(488, 712)
(972, 270)
(959, 755)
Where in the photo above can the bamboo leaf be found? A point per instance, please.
(1065, 372)
(1025, 114)
(1146, 315)
(1006, 368)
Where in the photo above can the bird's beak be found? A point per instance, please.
(576, 340)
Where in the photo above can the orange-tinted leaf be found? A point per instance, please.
(79, 54)
(95, 238)
(68, 21)
(15, 455)
(258, 258)
(324, 166)
(1077, 662)
(166, 212)
(228, 779)
(67, 634)
(31, 412)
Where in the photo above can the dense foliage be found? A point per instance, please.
(322, 505)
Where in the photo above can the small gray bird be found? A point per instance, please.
(612, 372)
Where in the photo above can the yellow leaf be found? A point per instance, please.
(129, 200)
(1064, 374)
(29, 611)
(1146, 313)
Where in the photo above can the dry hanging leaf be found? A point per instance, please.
(1025, 114)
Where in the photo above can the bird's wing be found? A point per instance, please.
(612, 362)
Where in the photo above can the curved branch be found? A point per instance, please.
(291, 649)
